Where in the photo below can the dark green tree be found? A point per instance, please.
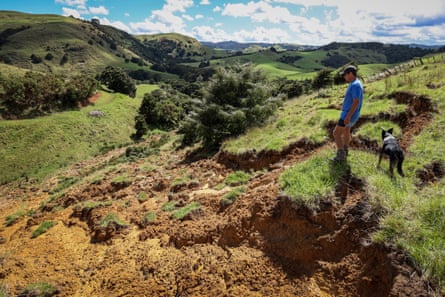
(322, 79)
(236, 98)
(117, 80)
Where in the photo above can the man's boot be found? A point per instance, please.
(340, 157)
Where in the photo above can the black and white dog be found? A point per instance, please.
(393, 150)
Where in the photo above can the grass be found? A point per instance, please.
(169, 206)
(232, 195)
(13, 218)
(183, 211)
(43, 227)
(112, 218)
(39, 289)
(313, 180)
(149, 217)
(411, 218)
(373, 131)
(39, 147)
(237, 178)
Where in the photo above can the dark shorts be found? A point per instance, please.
(341, 123)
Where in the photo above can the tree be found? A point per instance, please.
(117, 80)
(322, 79)
(236, 98)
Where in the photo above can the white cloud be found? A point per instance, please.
(259, 12)
(262, 34)
(217, 9)
(127, 14)
(81, 3)
(70, 12)
(205, 2)
(206, 33)
(199, 16)
(98, 10)
(177, 5)
(187, 17)
(116, 24)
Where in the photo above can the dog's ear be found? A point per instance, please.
(383, 133)
(390, 131)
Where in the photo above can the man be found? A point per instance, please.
(352, 104)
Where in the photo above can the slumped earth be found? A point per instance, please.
(116, 235)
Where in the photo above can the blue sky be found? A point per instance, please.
(311, 22)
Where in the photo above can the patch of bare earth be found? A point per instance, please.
(261, 245)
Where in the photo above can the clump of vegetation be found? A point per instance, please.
(312, 180)
(183, 211)
(162, 108)
(44, 227)
(236, 98)
(169, 206)
(148, 217)
(13, 218)
(123, 179)
(231, 196)
(95, 204)
(39, 289)
(34, 93)
(117, 80)
(237, 178)
(112, 218)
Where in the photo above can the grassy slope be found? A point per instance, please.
(411, 219)
(36, 148)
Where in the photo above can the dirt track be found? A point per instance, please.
(261, 245)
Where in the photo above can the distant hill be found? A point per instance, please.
(58, 44)
(237, 46)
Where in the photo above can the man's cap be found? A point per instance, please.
(347, 69)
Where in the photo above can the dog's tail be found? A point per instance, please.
(400, 159)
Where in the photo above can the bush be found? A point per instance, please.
(117, 80)
(163, 108)
(236, 98)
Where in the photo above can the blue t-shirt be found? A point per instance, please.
(355, 90)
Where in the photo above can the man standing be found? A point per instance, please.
(352, 104)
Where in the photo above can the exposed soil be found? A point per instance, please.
(261, 245)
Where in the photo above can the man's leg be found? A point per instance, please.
(347, 139)
(339, 137)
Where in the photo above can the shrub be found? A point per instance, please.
(117, 80)
(236, 98)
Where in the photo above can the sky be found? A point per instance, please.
(308, 22)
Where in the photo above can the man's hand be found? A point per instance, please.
(347, 121)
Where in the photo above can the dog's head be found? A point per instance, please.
(386, 133)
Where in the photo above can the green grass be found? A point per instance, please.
(43, 227)
(13, 218)
(112, 218)
(183, 211)
(38, 147)
(313, 180)
(411, 218)
(237, 178)
(169, 206)
(373, 131)
(149, 217)
(232, 195)
(39, 289)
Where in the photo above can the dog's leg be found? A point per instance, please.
(399, 164)
(380, 158)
